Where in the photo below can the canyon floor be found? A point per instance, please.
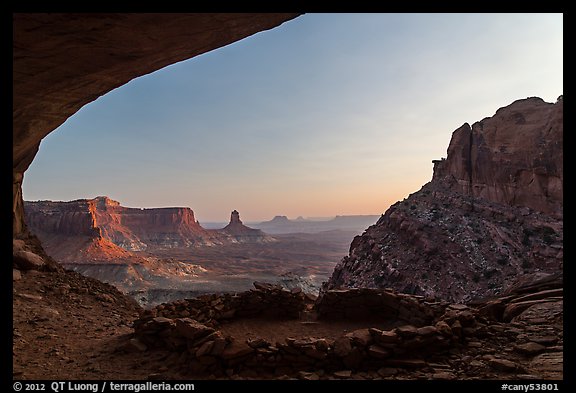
(301, 253)
(66, 326)
(299, 259)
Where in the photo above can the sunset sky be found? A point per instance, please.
(327, 114)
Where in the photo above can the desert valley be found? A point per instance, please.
(157, 255)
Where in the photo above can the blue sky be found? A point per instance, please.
(328, 114)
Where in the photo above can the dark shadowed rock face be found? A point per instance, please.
(492, 213)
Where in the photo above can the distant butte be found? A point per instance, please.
(235, 219)
(243, 234)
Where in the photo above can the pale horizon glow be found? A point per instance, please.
(325, 115)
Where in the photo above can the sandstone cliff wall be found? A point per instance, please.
(492, 212)
(514, 157)
(130, 228)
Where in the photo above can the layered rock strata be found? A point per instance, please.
(112, 227)
(132, 229)
(514, 158)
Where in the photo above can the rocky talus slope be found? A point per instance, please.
(492, 212)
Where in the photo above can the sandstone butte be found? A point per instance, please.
(492, 212)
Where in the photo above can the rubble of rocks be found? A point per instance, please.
(364, 303)
(453, 340)
(208, 350)
(73, 327)
(517, 300)
(28, 254)
(266, 300)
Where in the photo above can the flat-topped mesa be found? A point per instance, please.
(71, 232)
(133, 229)
(143, 221)
(101, 224)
